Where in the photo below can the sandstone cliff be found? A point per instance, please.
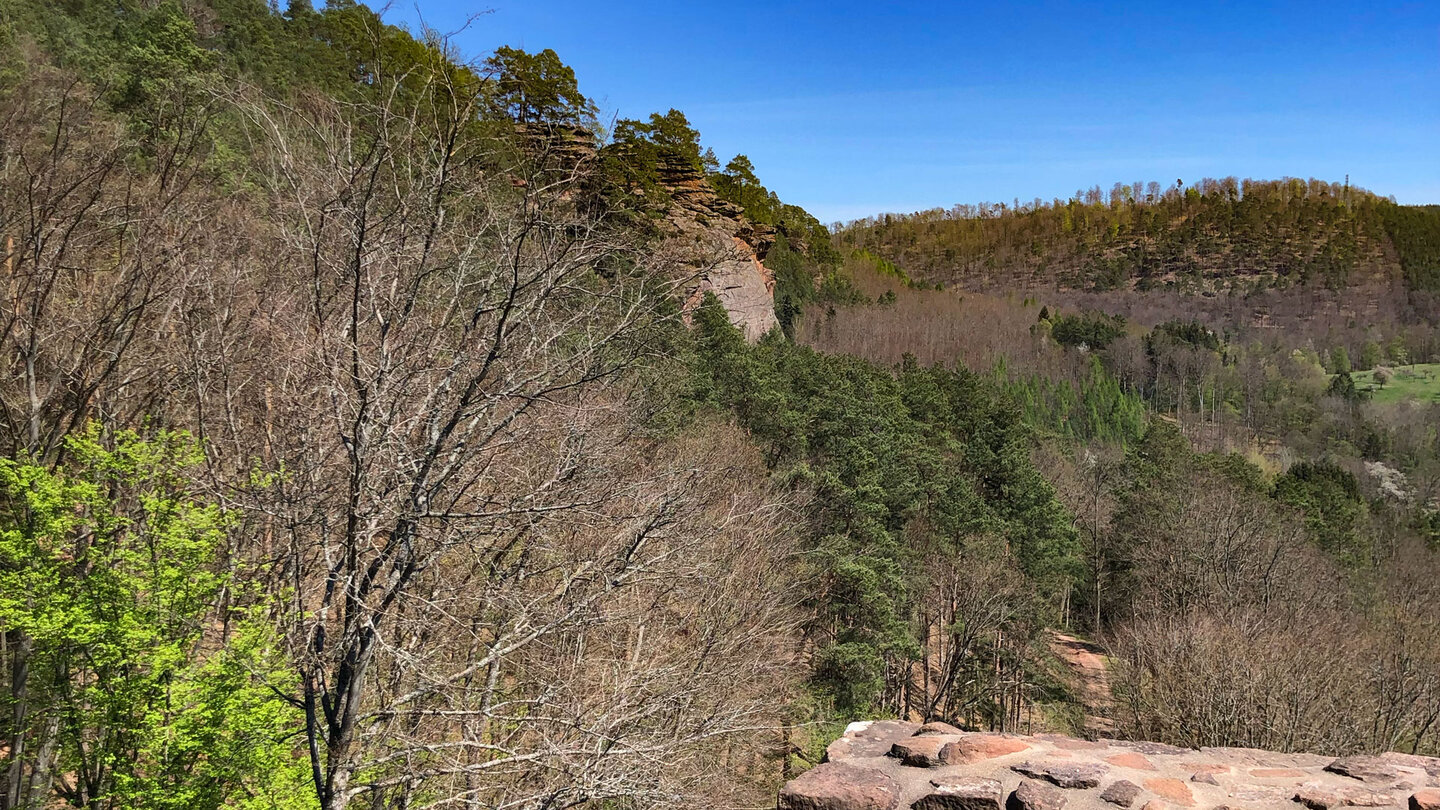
(725, 250)
(889, 765)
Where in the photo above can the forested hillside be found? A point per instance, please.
(1227, 237)
(358, 453)
(379, 431)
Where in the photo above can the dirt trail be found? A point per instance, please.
(1090, 670)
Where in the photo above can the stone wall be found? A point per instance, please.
(889, 765)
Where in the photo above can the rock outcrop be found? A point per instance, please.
(725, 250)
(722, 250)
(893, 765)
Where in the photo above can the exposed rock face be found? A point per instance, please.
(938, 728)
(1375, 770)
(724, 249)
(938, 767)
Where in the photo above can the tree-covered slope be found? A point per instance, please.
(1212, 236)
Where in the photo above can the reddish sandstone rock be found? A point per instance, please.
(929, 751)
(1131, 760)
(976, 747)
(868, 739)
(840, 786)
(1425, 800)
(1033, 795)
(1122, 793)
(1211, 767)
(962, 793)
(937, 727)
(1063, 774)
(1171, 790)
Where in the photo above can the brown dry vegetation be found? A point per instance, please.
(493, 583)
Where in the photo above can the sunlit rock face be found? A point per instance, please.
(725, 250)
(893, 765)
(716, 248)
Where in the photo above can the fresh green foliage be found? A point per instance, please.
(1340, 360)
(109, 581)
(1097, 408)
(1419, 383)
(882, 267)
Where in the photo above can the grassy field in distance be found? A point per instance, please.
(1420, 381)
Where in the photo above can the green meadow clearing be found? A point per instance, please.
(1420, 381)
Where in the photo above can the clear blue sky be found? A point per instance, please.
(855, 108)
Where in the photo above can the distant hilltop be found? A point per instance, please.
(1214, 237)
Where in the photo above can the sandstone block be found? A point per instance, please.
(1033, 795)
(929, 751)
(1276, 773)
(937, 727)
(840, 786)
(962, 793)
(1150, 748)
(1320, 797)
(868, 739)
(1069, 743)
(976, 747)
(1425, 800)
(1430, 765)
(1122, 793)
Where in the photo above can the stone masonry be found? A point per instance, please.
(890, 765)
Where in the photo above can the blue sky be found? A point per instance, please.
(855, 108)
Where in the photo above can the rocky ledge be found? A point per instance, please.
(888, 765)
